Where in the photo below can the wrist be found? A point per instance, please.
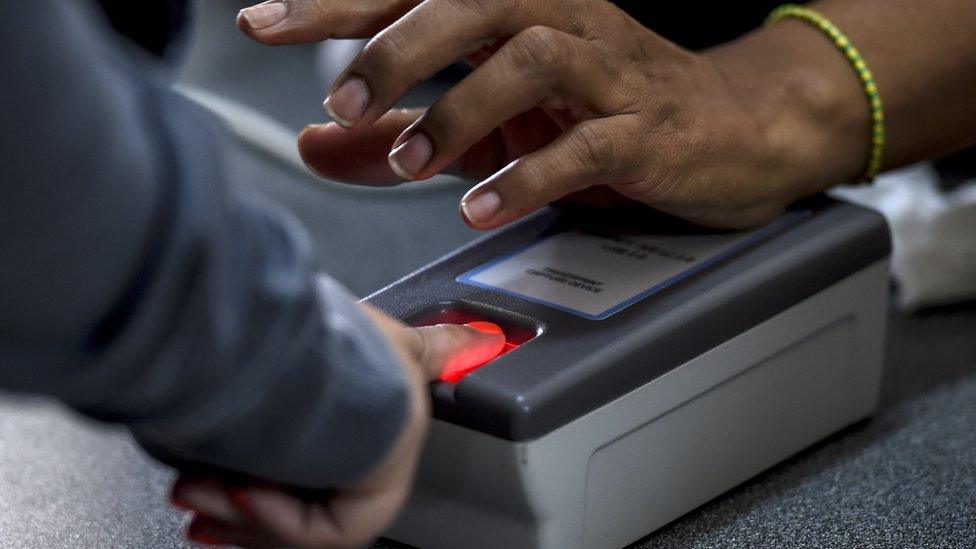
(807, 101)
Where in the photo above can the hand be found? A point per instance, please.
(264, 515)
(567, 95)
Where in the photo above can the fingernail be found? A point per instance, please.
(348, 103)
(481, 207)
(409, 158)
(263, 16)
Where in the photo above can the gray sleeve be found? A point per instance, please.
(138, 286)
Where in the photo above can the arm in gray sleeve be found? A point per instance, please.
(139, 287)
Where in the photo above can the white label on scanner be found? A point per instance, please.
(595, 276)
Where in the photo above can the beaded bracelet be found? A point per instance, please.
(860, 67)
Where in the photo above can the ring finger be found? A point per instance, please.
(540, 66)
(427, 39)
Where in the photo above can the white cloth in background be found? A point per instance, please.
(933, 233)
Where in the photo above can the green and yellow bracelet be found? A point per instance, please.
(860, 67)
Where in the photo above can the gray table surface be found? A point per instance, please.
(902, 479)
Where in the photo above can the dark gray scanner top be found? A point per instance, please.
(570, 365)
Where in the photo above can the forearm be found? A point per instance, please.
(139, 285)
(922, 54)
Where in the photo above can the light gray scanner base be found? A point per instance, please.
(650, 456)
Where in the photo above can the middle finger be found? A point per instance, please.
(538, 65)
(429, 38)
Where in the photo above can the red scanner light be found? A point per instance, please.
(462, 366)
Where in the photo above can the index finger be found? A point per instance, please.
(360, 155)
(278, 22)
(429, 38)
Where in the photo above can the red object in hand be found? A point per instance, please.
(462, 367)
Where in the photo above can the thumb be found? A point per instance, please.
(357, 155)
(448, 349)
